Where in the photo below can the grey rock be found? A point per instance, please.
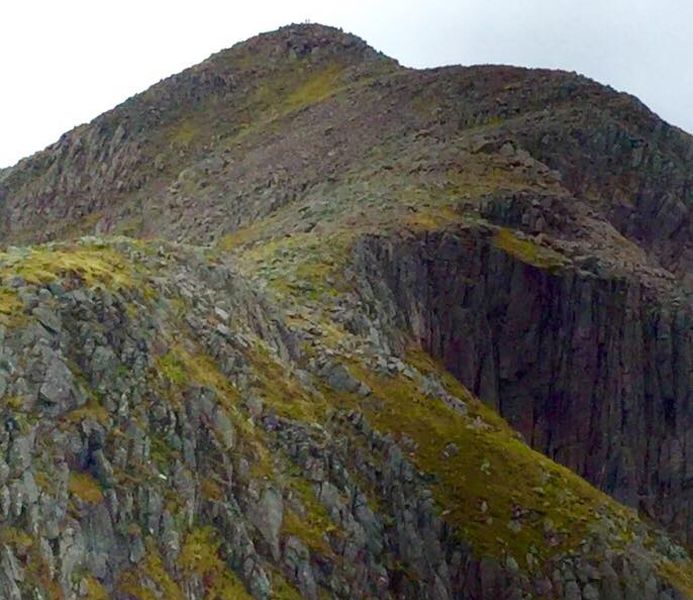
(339, 378)
(267, 515)
(297, 559)
(57, 388)
(10, 575)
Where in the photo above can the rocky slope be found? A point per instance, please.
(349, 330)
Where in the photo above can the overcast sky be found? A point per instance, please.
(64, 62)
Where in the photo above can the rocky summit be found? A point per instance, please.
(299, 322)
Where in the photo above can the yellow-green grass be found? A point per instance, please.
(94, 589)
(680, 575)
(527, 251)
(11, 308)
(189, 365)
(200, 556)
(315, 524)
(492, 474)
(85, 487)
(43, 264)
(150, 580)
(281, 391)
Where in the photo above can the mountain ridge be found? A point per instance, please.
(282, 39)
(314, 287)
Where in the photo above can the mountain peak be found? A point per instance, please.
(303, 313)
(301, 41)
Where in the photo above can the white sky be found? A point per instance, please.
(64, 62)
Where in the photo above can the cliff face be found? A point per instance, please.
(593, 371)
(310, 324)
(167, 433)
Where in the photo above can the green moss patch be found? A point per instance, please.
(11, 308)
(316, 87)
(171, 367)
(200, 555)
(279, 390)
(527, 251)
(680, 575)
(42, 264)
(94, 589)
(150, 580)
(85, 487)
(187, 366)
(315, 524)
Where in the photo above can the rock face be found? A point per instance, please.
(594, 372)
(341, 329)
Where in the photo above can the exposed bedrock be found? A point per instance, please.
(593, 371)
